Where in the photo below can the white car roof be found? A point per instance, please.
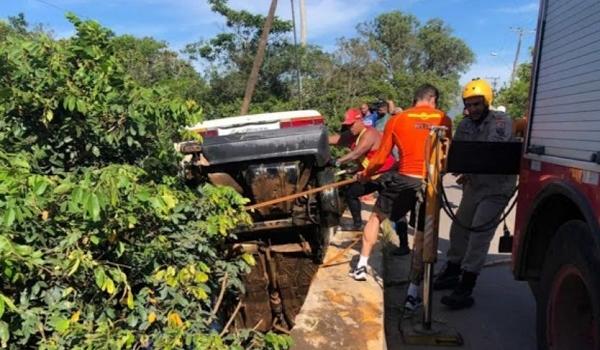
(253, 119)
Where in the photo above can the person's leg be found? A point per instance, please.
(370, 234)
(459, 240)
(402, 232)
(394, 188)
(413, 301)
(369, 239)
(459, 236)
(353, 194)
(489, 209)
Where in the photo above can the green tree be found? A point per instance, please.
(101, 245)
(516, 96)
(151, 63)
(405, 53)
(391, 56)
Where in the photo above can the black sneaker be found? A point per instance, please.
(412, 303)
(401, 251)
(351, 227)
(359, 273)
(449, 278)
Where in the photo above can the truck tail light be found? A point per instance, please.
(209, 133)
(297, 122)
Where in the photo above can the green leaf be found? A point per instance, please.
(94, 239)
(48, 116)
(130, 303)
(41, 188)
(1, 307)
(81, 106)
(75, 267)
(92, 206)
(59, 323)
(9, 216)
(63, 188)
(4, 334)
(109, 286)
(19, 163)
(249, 259)
(96, 151)
(201, 277)
(100, 276)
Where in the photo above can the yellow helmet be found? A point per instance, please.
(479, 87)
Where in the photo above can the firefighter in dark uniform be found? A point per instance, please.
(483, 201)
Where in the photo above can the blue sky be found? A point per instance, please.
(483, 25)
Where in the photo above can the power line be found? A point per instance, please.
(53, 5)
(61, 9)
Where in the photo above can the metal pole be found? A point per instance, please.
(297, 59)
(514, 69)
(258, 60)
(302, 23)
(427, 296)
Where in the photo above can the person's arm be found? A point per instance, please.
(334, 139)
(363, 147)
(387, 143)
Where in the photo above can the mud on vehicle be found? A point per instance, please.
(263, 157)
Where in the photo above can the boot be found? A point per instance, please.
(460, 297)
(449, 278)
(355, 226)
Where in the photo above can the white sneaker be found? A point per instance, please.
(359, 273)
(412, 303)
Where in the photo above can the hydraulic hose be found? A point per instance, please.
(483, 227)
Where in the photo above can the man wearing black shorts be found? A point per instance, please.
(408, 131)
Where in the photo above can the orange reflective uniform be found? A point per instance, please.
(409, 131)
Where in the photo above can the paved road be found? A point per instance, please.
(503, 316)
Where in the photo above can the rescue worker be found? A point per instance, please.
(408, 131)
(483, 200)
(366, 142)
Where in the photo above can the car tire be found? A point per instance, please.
(323, 237)
(568, 306)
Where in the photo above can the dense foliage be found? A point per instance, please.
(101, 246)
(516, 96)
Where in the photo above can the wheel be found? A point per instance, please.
(324, 235)
(568, 307)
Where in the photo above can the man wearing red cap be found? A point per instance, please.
(366, 142)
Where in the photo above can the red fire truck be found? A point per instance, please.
(557, 235)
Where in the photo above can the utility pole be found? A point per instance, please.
(302, 23)
(258, 60)
(494, 81)
(520, 32)
(297, 59)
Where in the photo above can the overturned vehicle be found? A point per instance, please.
(264, 157)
